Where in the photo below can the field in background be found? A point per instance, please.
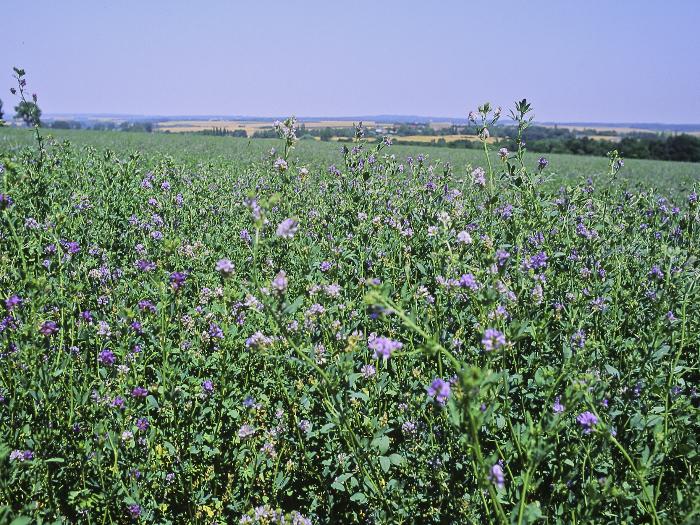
(251, 126)
(199, 150)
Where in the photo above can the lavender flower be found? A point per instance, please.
(496, 476)
(48, 328)
(383, 346)
(439, 390)
(139, 391)
(224, 267)
(493, 339)
(557, 408)
(106, 357)
(5, 201)
(587, 420)
(20, 456)
(287, 228)
(177, 280)
(245, 431)
(280, 282)
(12, 302)
(479, 177)
(368, 371)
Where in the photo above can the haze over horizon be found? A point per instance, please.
(586, 62)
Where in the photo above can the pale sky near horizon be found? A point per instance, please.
(593, 60)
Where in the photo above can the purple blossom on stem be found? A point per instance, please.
(439, 390)
(177, 280)
(493, 339)
(106, 357)
(382, 346)
(587, 420)
(496, 476)
(48, 328)
(224, 267)
(557, 408)
(12, 302)
(287, 228)
(139, 391)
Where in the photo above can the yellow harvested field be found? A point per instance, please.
(189, 126)
(429, 138)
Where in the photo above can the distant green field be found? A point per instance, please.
(194, 150)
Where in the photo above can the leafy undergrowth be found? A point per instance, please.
(377, 341)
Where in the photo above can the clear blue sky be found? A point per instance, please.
(585, 60)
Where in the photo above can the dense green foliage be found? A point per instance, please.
(193, 151)
(207, 327)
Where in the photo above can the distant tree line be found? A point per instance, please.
(223, 132)
(541, 139)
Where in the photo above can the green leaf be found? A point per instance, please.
(396, 459)
(385, 463)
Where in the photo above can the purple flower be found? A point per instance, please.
(539, 260)
(578, 338)
(408, 427)
(86, 316)
(468, 281)
(325, 266)
(48, 328)
(280, 282)
(557, 408)
(383, 346)
(145, 266)
(587, 420)
(106, 357)
(280, 164)
(208, 386)
(439, 390)
(479, 177)
(215, 331)
(72, 247)
(464, 237)
(501, 257)
(258, 340)
(139, 391)
(118, 402)
(146, 305)
(21, 456)
(5, 201)
(135, 510)
(12, 302)
(656, 273)
(368, 371)
(245, 236)
(493, 339)
(542, 163)
(177, 280)
(142, 424)
(496, 476)
(245, 431)
(224, 267)
(287, 228)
